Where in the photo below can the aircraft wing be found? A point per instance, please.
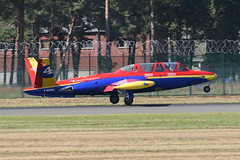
(129, 84)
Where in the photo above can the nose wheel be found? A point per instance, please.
(206, 89)
(128, 99)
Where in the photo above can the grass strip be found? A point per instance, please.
(120, 122)
(197, 136)
(35, 102)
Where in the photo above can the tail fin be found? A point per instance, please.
(43, 76)
(31, 64)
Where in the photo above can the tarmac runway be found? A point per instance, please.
(116, 109)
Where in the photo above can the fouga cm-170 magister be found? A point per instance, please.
(134, 78)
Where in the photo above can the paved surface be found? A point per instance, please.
(87, 110)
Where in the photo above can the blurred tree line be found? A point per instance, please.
(26, 20)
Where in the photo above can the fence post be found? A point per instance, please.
(12, 63)
(22, 83)
(223, 70)
(231, 81)
(5, 66)
(150, 52)
(122, 59)
(89, 64)
(108, 58)
(190, 67)
(99, 56)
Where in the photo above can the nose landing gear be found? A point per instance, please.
(128, 99)
(206, 89)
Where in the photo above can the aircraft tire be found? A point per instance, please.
(206, 89)
(128, 101)
(114, 98)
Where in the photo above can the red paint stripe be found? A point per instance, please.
(30, 71)
(39, 80)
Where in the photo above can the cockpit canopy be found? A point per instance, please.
(128, 68)
(155, 67)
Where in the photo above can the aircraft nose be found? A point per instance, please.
(211, 77)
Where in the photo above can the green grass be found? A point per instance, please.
(133, 136)
(120, 122)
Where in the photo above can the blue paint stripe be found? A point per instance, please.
(96, 87)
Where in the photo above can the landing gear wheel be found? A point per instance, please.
(114, 98)
(128, 101)
(206, 89)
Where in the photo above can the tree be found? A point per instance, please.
(108, 45)
(7, 21)
(184, 18)
(96, 16)
(129, 22)
(227, 19)
(152, 50)
(20, 40)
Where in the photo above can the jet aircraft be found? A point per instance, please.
(134, 78)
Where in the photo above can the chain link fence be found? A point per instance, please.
(84, 58)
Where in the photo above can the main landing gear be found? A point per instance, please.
(114, 98)
(128, 98)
